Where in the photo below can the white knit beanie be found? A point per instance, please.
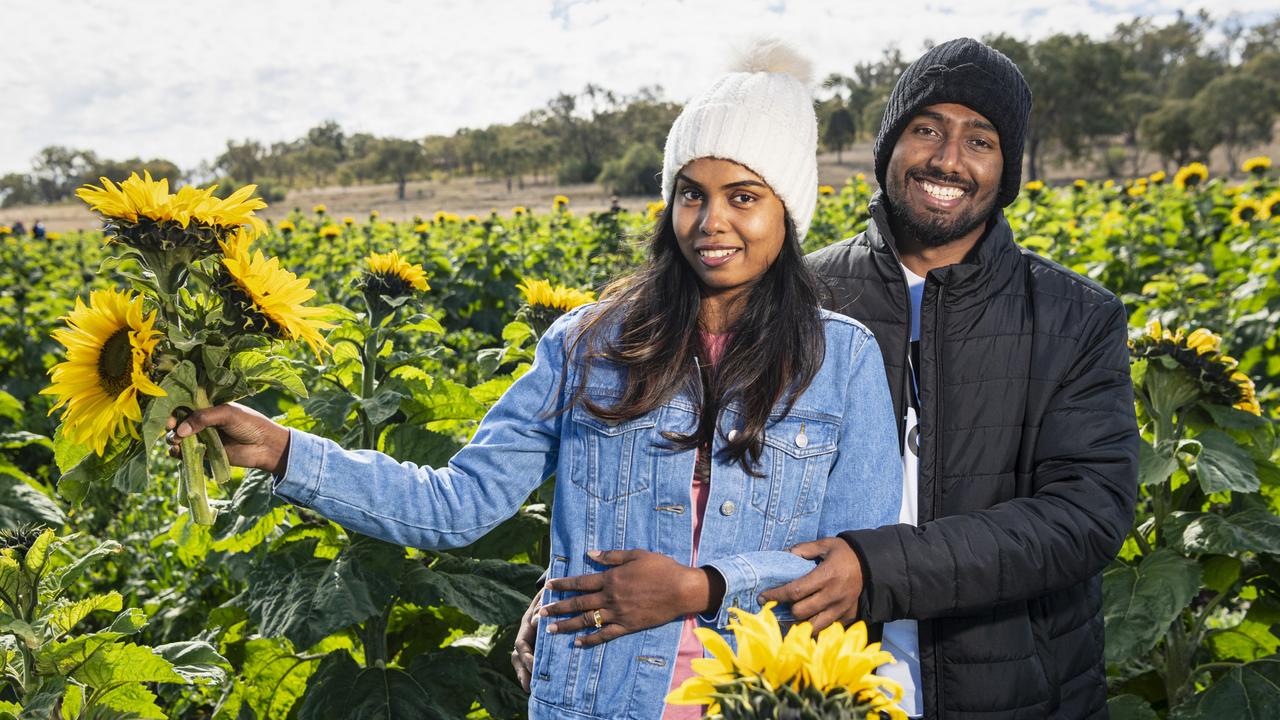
(759, 115)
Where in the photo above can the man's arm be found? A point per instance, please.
(1085, 475)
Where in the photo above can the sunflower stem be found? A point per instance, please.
(368, 386)
(193, 480)
(219, 463)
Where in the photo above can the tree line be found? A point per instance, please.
(1173, 93)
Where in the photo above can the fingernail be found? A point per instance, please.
(543, 612)
(593, 554)
(577, 642)
(553, 628)
(184, 429)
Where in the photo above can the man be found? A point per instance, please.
(1010, 377)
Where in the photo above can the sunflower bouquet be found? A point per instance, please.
(199, 328)
(771, 676)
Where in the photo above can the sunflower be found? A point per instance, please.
(422, 228)
(1158, 177)
(1079, 185)
(541, 293)
(5, 230)
(519, 210)
(395, 275)
(1217, 379)
(286, 226)
(110, 345)
(1257, 165)
(374, 215)
(319, 209)
(795, 672)
(262, 296)
(826, 190)
(348, 220)
(1246, 211)
(472, 219)
(1136, 190)
(1271, 205)
(654, 209)
(141, 213)
(1033, 188)
(330, 231)
(1191, 176)
(560, 201)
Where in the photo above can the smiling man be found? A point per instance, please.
(1010, 379)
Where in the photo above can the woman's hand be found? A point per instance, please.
(526, 638)
(251, 439)
(641, 590)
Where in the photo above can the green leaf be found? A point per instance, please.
(1220, 572)
(445, 401)
(341, 689)
(21, 504)
(1249, 692)
(98, 660)
(1254, 530)
(10, 407)
(271, 680)
(424, 324)
(75, 483)
(180, 388)
(66, 452)
(1154, 466)
(245, 539)
(515, 536)
(66, 615)
(195, 661)
(64, 577)
(1223, 465)
(330, 408)
(1130, 707)
(261, 370)
(133, 700)
(38, 553)
(304, 598)
(1229, 418)
(491, 592)
(1250, 640)
(384, 403)
(43, 703)
(410, 443)
(1140, 602)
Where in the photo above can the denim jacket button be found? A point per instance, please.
(727, 508)
(802, 440)
(732, 434)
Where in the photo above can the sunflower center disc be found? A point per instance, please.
(115, 363)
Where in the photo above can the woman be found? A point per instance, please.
(705, 410)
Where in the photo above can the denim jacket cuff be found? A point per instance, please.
(301, 479)
(740, 589)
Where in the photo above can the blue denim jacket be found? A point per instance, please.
(831, 464)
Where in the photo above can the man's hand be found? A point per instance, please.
(641, 590)
(251, 439)
(526, 638)
(830, 591)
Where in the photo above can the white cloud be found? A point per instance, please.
(176, 80)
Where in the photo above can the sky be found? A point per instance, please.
(176, 80)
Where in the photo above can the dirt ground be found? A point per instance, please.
(479, 195)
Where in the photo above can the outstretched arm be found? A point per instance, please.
(512, 452)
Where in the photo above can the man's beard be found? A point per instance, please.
(928, 228)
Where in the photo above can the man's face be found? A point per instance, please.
(944, 174)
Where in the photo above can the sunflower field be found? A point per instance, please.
(133, 584)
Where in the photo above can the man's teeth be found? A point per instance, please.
(717, 253)
(941, 192)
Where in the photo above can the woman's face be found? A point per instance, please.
(729, 224)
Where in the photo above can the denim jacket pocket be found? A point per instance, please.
(611, 460)
(798, 453)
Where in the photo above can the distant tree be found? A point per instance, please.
(56, 171)
(1236, 110)
(242, 161)
(573, 120)
(329, 135)
(118, 170)
(839, 131)
(635, 173)
(18, 189)
(398, 159)
(1170, 131)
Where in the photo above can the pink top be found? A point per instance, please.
(700, 490)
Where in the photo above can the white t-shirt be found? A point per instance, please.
(900, 636)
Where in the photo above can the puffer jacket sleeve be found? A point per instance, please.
(1085, 479)
(515, 448)
(864, 488)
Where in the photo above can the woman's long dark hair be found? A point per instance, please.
(775, 348)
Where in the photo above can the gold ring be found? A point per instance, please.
(595, 615)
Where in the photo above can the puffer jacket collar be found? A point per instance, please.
(992, 262)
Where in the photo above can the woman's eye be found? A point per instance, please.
(690, 195)
(743, 198)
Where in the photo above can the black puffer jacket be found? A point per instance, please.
(1027, 477)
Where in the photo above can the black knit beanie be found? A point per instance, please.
(966, 72)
